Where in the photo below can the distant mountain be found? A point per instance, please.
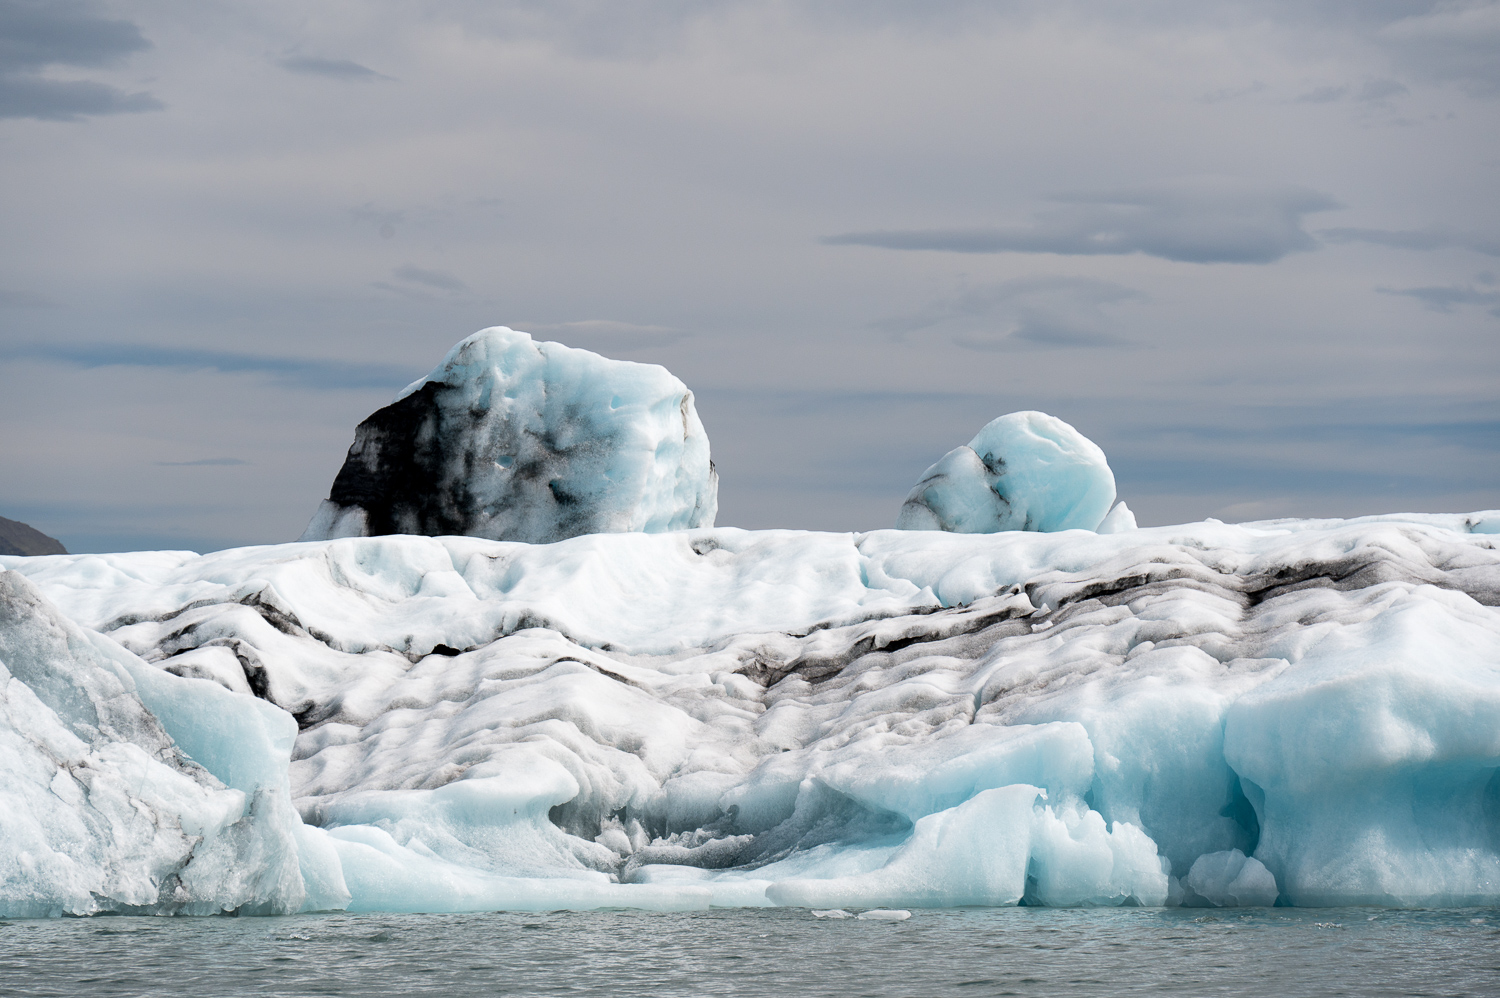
(18, 538)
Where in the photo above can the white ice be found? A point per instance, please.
(1022, 471)
(1295, 712)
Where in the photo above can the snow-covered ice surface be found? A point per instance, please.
(1022, 471)
(513, 439)
(1299, 712)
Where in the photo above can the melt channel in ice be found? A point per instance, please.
(1022, 471)
(1293, 712)
(513, 439)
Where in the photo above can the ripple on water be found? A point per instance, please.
(1020, 951)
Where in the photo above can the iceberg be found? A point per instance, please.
(1293, 712)
(513, 439)
(1023, 471)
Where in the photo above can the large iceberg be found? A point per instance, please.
(512, 439)
(1293, 712)
(1022, 471)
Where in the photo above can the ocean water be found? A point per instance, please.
(782, 952)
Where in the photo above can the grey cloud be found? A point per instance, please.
(1322, 95)
(1416, 239)
(428, 278)
(23, 96)
(297, 371)
(1453, 42)
(35, 34)
(202, 462)
(342, 69)
(1194, 221)
(1232, 93)
(646, 29)
(25, 299)
(1443, 299)
(1028, 312)
(1380, 90)
(1371, 92)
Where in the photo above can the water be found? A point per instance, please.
(776, 952)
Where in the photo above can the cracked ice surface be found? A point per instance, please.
(1305, 712)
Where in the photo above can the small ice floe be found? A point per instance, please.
(832, 913)
(884, 915)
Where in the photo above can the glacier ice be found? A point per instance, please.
(1022, 471)
(513, 439)
(1293, 712)
(1230, 879)
(101, 810)
(1117, 520)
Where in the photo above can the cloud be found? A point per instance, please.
(202, 462)
(1215, 220)
(27, 96)
(24, 299)
(1454, 42)
(35, 34)
(1025, 313)
(1375, 91)
(1322, 95)
(297, 371)
(1443, 299)
(1416, 239)
(342, 69)
(1372, 92)
(428, 278)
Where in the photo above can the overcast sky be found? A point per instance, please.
(1251, 249)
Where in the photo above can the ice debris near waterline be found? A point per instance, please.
(1298, 712)
(512, 439)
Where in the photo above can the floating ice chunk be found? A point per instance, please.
(1076, 860)
(1232, 880)
(834, 913)
(512, 439)
(1023, 471)
(883, 915)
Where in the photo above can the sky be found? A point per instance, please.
(1251, 249)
